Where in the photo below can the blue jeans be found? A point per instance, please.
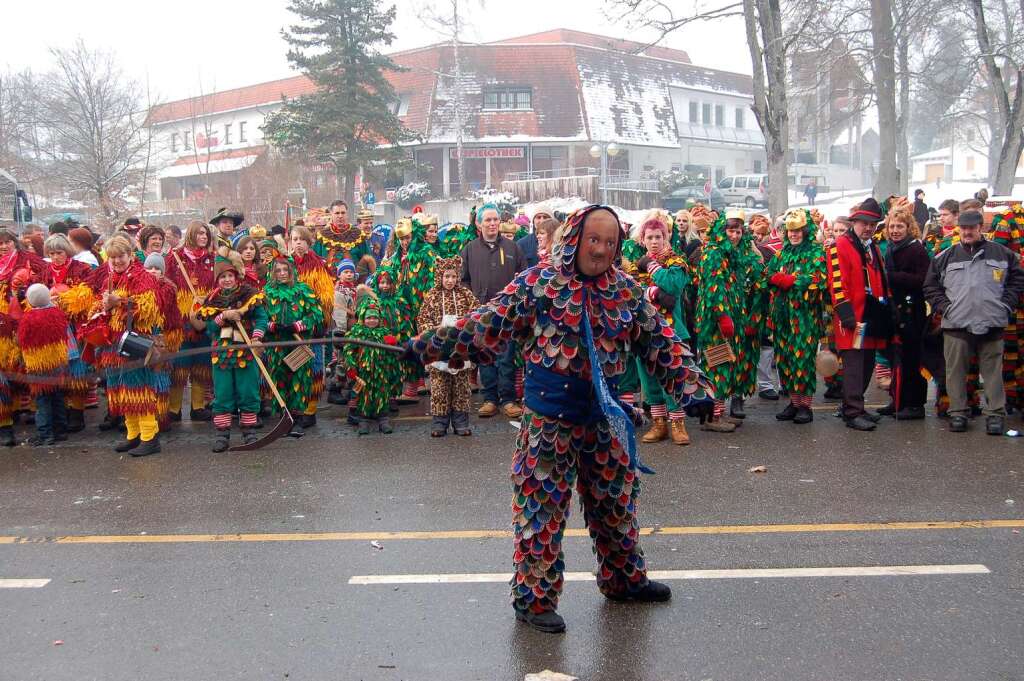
(51, 415)
(498, 380)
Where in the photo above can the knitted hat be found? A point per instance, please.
(155, 260)
(81, 237)
(38, 296)
(346, 264)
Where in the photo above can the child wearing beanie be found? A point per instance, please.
(44, 340)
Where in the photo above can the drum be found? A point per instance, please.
(135, 346)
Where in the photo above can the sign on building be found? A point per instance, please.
(488, 152)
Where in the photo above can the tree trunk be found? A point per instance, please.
(1013, 142)
(887, 182)
(902, 142)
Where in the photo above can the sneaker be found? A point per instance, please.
(549, 621)
(651, 592)
(487, 410)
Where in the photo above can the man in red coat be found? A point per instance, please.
(860, 302)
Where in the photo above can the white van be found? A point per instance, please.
(751, 190)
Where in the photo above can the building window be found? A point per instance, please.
(187, 140)
(241, 131)
(400, 106)
(705, 114)
(719, 115)
(227, 133)
(508, 99)
(677, 167)
(550, 158)
(757, 166)
(174, 142)
(694, 115)
(970, 163)
(739, 117)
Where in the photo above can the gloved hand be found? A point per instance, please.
(298, 327)
(643, 262)
(664, 300)
(782, 280)
(390, 340)
(726, 326)
(847, 317)
(750, 331)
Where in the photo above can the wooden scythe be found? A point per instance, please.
(286, 422)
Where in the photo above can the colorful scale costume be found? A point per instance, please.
(796, 307)
(292, 310)
(573, 432)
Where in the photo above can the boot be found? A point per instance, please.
(127, 445)
(736, 409)
(787, 414)
(460, 423)
(888, 410)
(439, 428)
(651, 592)
(265, 409)
(658, 431)
(7, 436)
(201, 415)
(352, 418)
(364, 426)
(249, 436)
(385, 425)
(223, 441)
(549, 621)
(76, 420)
(803, 415)
(110, 422)
(147, 448)
(308, 420)
(834, 392)
(719, 426)
(174, 416)
(679, 434)
(296, 430)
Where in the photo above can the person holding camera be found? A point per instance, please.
(862, 317)
(976, 285)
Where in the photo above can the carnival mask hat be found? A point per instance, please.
(258, 232)
(701, 216)
(403, 228)
(563, 252)
(508, 228)
(736, 214)
(364, 214)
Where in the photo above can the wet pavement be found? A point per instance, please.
(193, 565)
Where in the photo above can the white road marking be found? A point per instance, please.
(747, 573)
(23, 583)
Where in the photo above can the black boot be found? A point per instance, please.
(651, 592)
(549, 621)
(7, 436)
(147, 448)
(787, 414)
(76, 420)
(803, 415)
(385, 425)
(308, 420)
(201, 415)
(296, 430)
(888, 410)
(127, 445)
(834, 392)
(248, 436)
(223, 441)
(110, 422)
(364, 426)
(736, 409)
(439, 428)
(460, 423)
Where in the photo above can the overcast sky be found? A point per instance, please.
(231, 43)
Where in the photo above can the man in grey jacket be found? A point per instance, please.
(976, 286)
(489, 263)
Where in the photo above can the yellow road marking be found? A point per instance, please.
(502, 534)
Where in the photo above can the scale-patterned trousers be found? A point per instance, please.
(552, 456)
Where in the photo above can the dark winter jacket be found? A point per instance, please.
(488, 267)
(976, 288)
(905, 268)
(528, 245)
(920, 213)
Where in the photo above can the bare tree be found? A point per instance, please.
(93, 120)
(883, 48)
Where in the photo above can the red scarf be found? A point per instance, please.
(195, 253)
(60, 273)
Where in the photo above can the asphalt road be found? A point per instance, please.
(191, 565)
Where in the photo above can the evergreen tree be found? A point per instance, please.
(349, 120)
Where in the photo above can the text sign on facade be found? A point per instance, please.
(488, 152)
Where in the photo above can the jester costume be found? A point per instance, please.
(236, 378)
(131, 393)
(293, 313)
(75, 299)
(728, 311)
(375, 373)
(191, 271)
(796, 276)
(576, 334)
(313, 273)
(449, 388)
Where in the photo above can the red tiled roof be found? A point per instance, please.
(228, 100)
(571, 37)
(201, 157)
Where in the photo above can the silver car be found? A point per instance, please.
(751, 190)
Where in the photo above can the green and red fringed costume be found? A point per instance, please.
(377, 372)
(1008, 230)
(292, 310)
(730, 309)
(576, 335)
(412, 274)
(796, 277)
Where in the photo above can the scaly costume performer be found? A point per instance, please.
(797, 276)
(43, 335)
(576, 334)
(313, 273)
(132, 393)
(292, 310)
(18, 270)
(449, 389)
(236, 378)
(75, 299)
(375, 373)
(190, 268)
(730, 275)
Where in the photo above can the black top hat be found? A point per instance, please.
(867, 211)
(223, 213)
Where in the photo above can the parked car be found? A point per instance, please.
(677, 199)
(751, 190)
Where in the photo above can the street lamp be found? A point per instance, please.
(603, 150)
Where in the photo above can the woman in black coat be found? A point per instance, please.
(906, 264)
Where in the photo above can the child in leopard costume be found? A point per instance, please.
(447, 302)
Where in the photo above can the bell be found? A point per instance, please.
(826, 363)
